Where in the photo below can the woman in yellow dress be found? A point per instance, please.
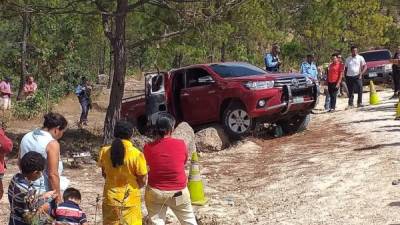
(124, 169)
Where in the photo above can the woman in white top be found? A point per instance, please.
(45, 142)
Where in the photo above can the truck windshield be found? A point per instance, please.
(236, 70)
(376, 56)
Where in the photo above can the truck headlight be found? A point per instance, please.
(259, 85)
(388, 67)
(309, 82)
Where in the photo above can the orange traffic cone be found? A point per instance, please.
(195, 184)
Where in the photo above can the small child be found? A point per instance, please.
(24, 203)
(69, 211)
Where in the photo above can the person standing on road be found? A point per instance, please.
(124, 169)
(167, 186)
(45, 142)
(83, 92)
(396, 74)
(309, 68)
(355, 68)
(343, 86)
(335, 74)
(271, 60)
(6, 146)
(5, 93)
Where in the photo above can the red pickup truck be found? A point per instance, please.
(237, 95)
(379, 67)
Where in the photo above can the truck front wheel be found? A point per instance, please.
(295, 124)
(237, 121)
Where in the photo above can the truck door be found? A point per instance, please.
(199, 98)
(155, 95)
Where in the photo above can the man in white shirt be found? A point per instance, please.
(355, 67)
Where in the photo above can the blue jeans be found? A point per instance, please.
(327, 105)
(85, 111)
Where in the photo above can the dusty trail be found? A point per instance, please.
(339, 171)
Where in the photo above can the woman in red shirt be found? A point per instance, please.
(6, 146)
(167, 181)
(335, 74)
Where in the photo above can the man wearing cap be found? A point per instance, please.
(167, 181)
(309, 68)
(271, 60)
(5, 93)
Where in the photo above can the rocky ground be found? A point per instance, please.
(339, 171)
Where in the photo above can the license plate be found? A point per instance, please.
(298, 99)
(372, 75)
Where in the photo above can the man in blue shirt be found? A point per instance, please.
(309, 68)
(83, 92)
(271, 60)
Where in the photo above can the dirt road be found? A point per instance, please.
(339, 171)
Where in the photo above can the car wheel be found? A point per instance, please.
(295, 124)
(236, 121)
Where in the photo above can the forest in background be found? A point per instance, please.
(57, 41)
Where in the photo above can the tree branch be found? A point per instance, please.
(220, 11)
(139, 3)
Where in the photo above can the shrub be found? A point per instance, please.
(31, 107)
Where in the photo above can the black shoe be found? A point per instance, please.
(396, 182)
(360, 105)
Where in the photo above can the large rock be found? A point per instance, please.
(139, 141)
(211, 139)
(185, 132)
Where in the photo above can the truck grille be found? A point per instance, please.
(293, 82)
(302, 92)
(379, 69)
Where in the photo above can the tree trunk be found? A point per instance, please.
(223, 52)
(102, 58)
(118, 82)
(110, 70)
(25, 31)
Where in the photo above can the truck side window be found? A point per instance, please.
(193, 75)
(157, 83)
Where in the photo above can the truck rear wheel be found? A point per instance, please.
(236, 121)
(295, 124)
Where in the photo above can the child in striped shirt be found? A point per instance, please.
(26, 204)
(69, 212)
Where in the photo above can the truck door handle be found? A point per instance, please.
(211, 92)
(185, 94)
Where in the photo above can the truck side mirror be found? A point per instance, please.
(205, 80)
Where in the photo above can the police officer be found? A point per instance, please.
(272, 61)
(309, 68)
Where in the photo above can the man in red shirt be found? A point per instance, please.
(6, 146)
(167, 181)
(335, 74)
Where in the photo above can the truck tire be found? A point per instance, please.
(141, 125)
(295, 124)
(236, 121)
